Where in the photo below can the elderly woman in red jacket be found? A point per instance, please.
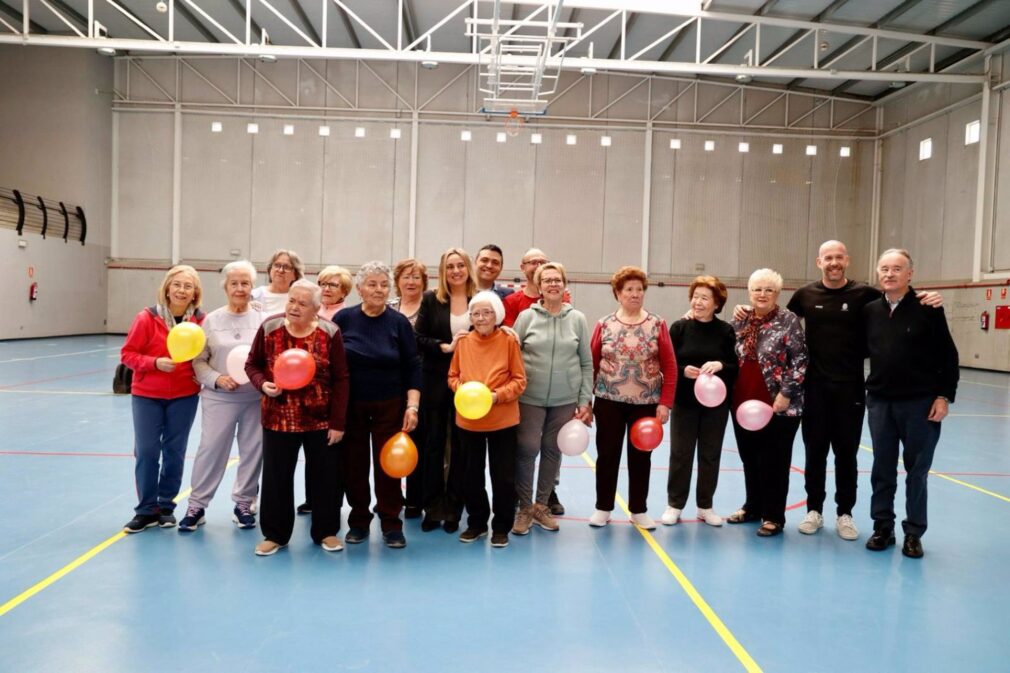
(164, 398)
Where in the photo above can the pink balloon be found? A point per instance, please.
(753, 415)
(573, 437)
(710, 390)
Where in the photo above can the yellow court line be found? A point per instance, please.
(956, 481)
(80, 560)
(699, 602)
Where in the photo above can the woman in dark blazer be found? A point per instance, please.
(441, 321)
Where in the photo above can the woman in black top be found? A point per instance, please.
(703, 345)
(443, 318)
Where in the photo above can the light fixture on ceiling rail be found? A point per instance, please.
(106, 51)
(267, 58)
(744, 78)
(161, 6)
(588, 69)
(429, 63)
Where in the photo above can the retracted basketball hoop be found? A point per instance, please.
(514, 123)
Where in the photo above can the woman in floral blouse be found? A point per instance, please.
(635, 375)
(773, 362)
(313, 416)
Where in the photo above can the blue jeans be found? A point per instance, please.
(904, 421)
(160, 431)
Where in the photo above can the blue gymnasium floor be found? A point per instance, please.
(684, 598)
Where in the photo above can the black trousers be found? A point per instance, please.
(499, 448)
(766, 456)
(832, 420)
(689, 427)
(441, 493)
(322, 470)
(369, 426)
(613, 420)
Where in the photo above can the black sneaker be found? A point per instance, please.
(242, 516)
(412, 512)
(553, 504)
(356, 536)
(166, 520)
(394, 539)
(912, 547)
(304, 508)
(880, 540)
(472, 535)
(450, 526)
(193, 519)
(500, 540)
(140, 523)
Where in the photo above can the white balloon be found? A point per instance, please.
(235, 364)
(573, 438)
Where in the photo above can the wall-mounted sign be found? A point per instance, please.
(988, 294)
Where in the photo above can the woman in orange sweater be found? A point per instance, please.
(489, 355)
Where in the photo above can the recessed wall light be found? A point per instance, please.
(743, 147)
(216, 127)
(394, 134)
(709, 145)
(845, 151)
(811, 150)
(465, 136)
(359, 132)
(536, 138)
(252, 128)
(674, 143)
(289, 129)
(324, 130)
(777, 148)
(570, 139)
(605, 141)
(500, 136)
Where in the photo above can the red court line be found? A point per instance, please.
(56, 378)
(801, 503)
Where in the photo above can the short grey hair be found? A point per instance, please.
(897, 251)
(315, 290)
(371, 269)
(242, 265)
(489, 297)
(765, 276)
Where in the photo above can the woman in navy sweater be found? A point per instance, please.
(703, 344)
(385, 373)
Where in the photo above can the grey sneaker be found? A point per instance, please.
(811, 523)
(846, 528)
(524, 519)
(542, 517)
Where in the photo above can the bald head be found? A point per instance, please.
(532, 259)
(833, 260)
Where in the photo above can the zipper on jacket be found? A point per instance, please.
(554, 342)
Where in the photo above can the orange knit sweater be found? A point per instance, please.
(496, 362)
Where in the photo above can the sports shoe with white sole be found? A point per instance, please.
(671, 516)
(811, 523)
(268, 548)
(599, 519)
(194, 518)
(643, 521)
(846, 528)
(331, 543)
(710, 517)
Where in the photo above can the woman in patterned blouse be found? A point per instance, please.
(312, 416)
(635, 377)
(773, 362)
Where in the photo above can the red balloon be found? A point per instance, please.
(293, 369)
(398, 457)
(646, 433)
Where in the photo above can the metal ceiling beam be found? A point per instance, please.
(303, 18)
(240, 10)
(409, 22)
(800, 34)
(682, 35)
(898, 54)
(195, 22)
(19, 17)
(349, 27)
(615, 51)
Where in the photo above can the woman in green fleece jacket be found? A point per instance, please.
(554, 339)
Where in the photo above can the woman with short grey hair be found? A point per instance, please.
(230, 408)
(385, 372)
(284, 268)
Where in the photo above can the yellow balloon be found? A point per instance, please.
(185, 341)
(473, 400)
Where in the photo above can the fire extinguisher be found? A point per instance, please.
(33, 292)
(983, 321)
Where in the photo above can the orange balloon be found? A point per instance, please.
(398, 457)
(294, 369)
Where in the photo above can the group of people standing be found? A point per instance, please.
(392, 364)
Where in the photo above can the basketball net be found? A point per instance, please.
(514, 124)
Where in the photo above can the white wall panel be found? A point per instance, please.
(840, 203)
(569, 198)
(287, 186)
(959, 197)
(441, 175)
(145, 185)
(216, 188)
(664, 173)
(624, 181)
(892, 189)
(1001, 225)
(925, 183)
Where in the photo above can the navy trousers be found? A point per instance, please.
(161, 431)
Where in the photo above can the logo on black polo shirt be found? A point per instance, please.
(845, 307)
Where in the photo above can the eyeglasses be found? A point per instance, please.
(330, 286)
(535, 262)
(176, 285)
(283, 267)
(763, 290)
(552, 281)
(484, 313)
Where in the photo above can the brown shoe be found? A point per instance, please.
(542, 517)
(331, 543)
(268, 548)
(524, 519)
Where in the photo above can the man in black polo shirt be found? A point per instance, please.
(831, 309)
(913, 378)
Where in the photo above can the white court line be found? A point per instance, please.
(59, 355)
(18, 391)
(979, 415)
(987, 385)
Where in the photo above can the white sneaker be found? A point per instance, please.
(643, 521)
(846, 528)
(811, 523)
(599, 519)
(710, 517)
(671, 516)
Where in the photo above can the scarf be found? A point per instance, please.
(751, 329)
(169, 319)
